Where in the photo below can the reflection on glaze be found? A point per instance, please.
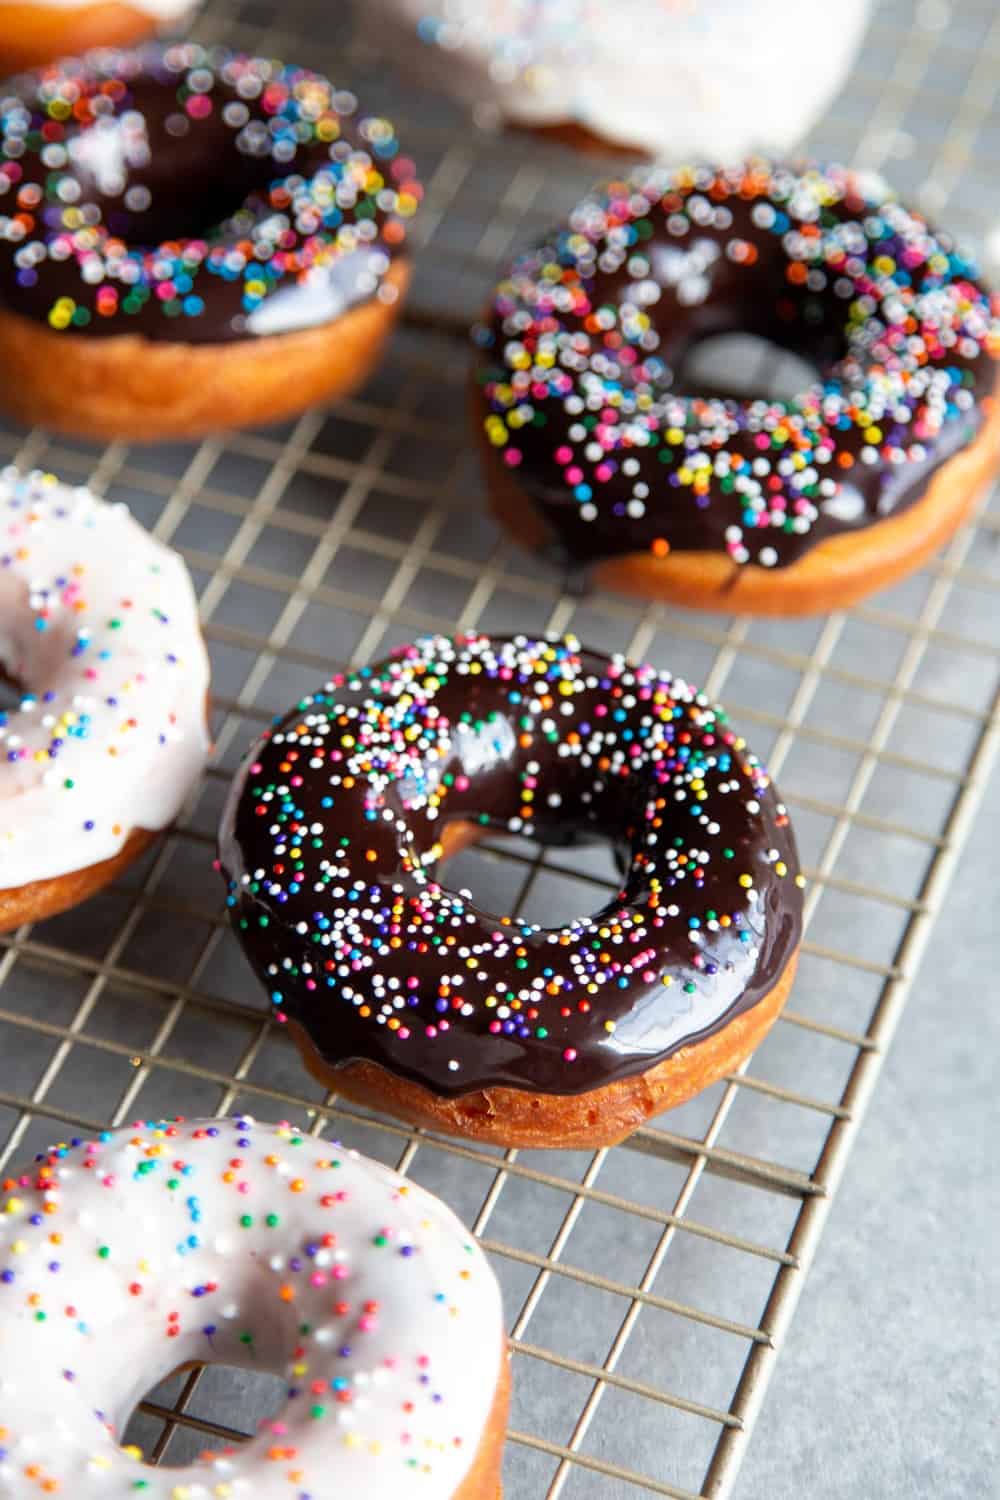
(331, 833)
(587, 332)
(196, 195)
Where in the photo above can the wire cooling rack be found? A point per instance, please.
(649, 1288)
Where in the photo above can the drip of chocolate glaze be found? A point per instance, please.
(353, 933)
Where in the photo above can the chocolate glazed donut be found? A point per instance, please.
(774, 507)
(193, 239)
(407, 995)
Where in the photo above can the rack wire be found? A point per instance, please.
(649, 1288)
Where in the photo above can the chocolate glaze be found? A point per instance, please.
(170, 191)
(328, 846)
(587, 333)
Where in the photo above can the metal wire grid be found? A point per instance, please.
(650, 1287)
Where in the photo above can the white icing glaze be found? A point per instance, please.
(678, 78)
(159, 10)
(99, 627)
(230, 1242)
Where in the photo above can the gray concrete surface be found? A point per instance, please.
(889, 1384)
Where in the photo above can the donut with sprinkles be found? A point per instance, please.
(769, 506)
(135, 1252)
(407, 995)
(109, 735)
(33, 32)
(195, 239)
(660, 78)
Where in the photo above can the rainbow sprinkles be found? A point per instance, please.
(580, 356)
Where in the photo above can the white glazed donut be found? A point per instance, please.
(676, 78)
(230, 1242)
(99, 628)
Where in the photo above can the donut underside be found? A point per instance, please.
(35, 34)
(579, 138)
(516, 1117)
(47, 898)
(144, 390)
(835, 573)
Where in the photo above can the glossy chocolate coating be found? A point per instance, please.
(328, 825)
(173, 191)
(587, 333)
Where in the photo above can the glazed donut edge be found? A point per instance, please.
(838, 572)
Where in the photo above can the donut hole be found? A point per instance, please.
(11, 693)
(245, 1381)
(511, 876)
(745, 366)
(225, 1396)
(130, 171)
